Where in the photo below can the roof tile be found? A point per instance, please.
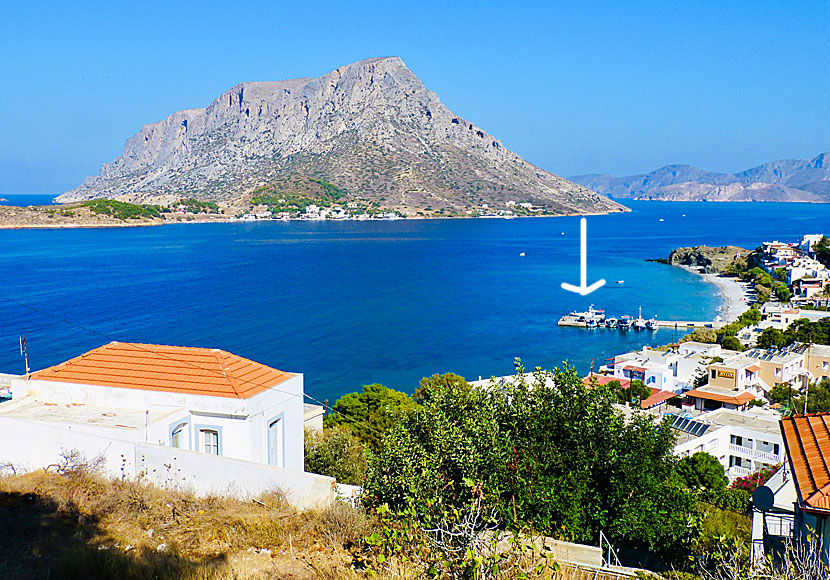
(175, 369)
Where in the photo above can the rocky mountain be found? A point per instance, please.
(370, 128)
(785, 180)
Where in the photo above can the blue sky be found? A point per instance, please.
(574, 87)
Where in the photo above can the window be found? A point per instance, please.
(178, 437)
(775, 448)
(736, 440)
(210, 441)
(714, 373)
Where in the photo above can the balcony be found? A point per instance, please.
(736, 471)
(755, 454)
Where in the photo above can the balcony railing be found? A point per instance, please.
(736, 471)
(755, 453)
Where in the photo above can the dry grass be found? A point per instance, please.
(77, 525)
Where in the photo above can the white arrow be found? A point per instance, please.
(583, 288)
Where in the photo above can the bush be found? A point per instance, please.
(548, 453)
(337, 453)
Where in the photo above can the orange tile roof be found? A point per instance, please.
(807, 440)
(657, 397)
(173, 369)
(740, 399)
(605, 379)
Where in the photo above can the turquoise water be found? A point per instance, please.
(350, 303)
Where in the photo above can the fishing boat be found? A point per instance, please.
(640, 322)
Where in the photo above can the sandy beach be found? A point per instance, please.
(734, 294)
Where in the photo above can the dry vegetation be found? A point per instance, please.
(78, 525)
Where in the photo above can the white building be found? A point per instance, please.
(203, 418)
(808, 241)
(672, 370)
(743, 442)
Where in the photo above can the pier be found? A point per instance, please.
(690, 324)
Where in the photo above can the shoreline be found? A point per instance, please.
(733, 294)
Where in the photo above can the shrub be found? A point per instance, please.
(336, 452)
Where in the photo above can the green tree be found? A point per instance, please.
(702, 472)
(732, 343)
(337, 453)
(370, 413)
(771, 338)
(548, 452)
(782, 292)
(428, 384)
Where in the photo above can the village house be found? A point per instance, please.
(743, 442)
(807, 442)
(671, 370)
(198, 417)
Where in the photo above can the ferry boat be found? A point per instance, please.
(611, 322)
(582, 318)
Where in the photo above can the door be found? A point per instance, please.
(275, 443)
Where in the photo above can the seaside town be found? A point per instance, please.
(733, 392)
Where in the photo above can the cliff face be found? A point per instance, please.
(371, 128)
(785, 180)
(712, 260)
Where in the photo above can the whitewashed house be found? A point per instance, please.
(199, 417)
(743, 442)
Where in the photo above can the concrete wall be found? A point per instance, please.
(30, 445)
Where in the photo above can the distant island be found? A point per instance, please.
(783, 180)
(369, 132)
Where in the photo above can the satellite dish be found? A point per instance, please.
(762, 498)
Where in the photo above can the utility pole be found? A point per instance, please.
(25, 355)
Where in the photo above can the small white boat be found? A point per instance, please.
(611, 322)
(661, 219)
(640, 322)
(620, 282)
(522, 254)
(625, 322)
(651, 324)
(591, 323)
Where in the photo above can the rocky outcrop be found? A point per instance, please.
(711, 260)
(371, 128)
(786, 180)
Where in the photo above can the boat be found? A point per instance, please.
(620, 281)
(611, 322)
(661, 219)
(591, 323)
(625, 322)
(651, 324)
(576, 318)
(640, 322)
(522, 254)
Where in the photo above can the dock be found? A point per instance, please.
(684, 324)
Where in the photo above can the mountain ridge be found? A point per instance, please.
(372, 128)
(780, 180)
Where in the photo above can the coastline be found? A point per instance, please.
(733, 294)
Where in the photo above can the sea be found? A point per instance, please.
(354, 303)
